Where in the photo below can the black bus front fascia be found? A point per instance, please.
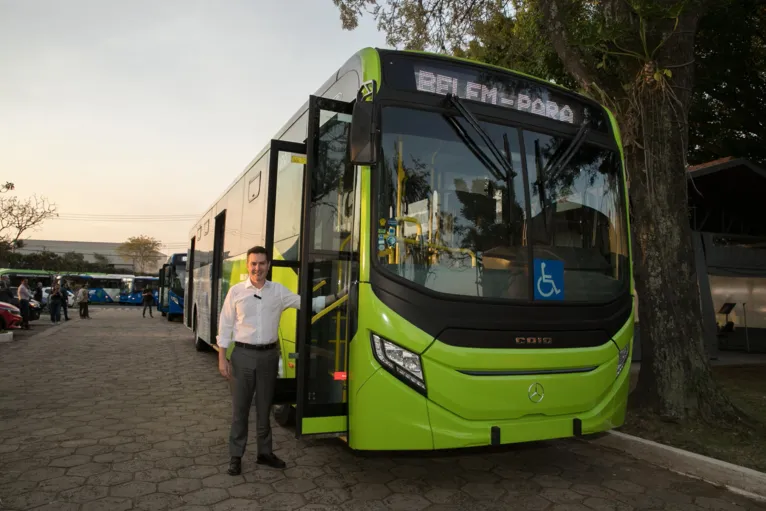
(479, 322)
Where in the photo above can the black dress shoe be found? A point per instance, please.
(235, 466)
(270, 460)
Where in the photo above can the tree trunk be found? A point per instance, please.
(675, 379)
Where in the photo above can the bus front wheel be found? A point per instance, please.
(285, 415)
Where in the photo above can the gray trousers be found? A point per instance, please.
(253, 371)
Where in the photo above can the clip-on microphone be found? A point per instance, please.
(257, 296)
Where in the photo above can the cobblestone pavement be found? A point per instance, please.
(121, 412)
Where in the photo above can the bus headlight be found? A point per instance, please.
(400, 362)
(174, 300)
(622, 358)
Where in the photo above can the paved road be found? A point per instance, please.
(121, 412)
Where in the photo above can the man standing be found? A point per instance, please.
(65, 300)
(250, 319)
(24, 295)
(82, 301)
(148, 299)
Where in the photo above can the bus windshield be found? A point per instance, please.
(177, 277)
(456, 220)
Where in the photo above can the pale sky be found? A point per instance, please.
(153, 107)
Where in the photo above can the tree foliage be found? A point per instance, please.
(638, 58)
(142, 251)
(728, 111)
(50, 261)
(18, 216)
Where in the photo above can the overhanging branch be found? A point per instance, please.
(574, 61)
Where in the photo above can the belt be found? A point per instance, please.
(256, 346)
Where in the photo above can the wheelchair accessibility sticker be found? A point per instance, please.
(549, 279)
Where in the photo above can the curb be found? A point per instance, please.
(742, 480)
(6, 336)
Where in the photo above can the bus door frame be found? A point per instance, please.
(286, 388)
(161, 288)
(330, 419)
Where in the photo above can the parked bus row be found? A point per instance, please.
(103, 288)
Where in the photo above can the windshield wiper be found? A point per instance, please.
(477, 151)
(557, 163)
(510, 173)
(556, 166)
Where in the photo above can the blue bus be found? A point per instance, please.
(102, 287)
(171, 286)
(132, 289)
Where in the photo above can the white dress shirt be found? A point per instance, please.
(24, 293)
(250, 320)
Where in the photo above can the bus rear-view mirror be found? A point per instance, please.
(363, 138)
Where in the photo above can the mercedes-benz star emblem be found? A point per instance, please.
(536, 392)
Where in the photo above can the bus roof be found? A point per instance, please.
(21, 271)
(86, 275)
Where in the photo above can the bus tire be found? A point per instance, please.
(284, 415)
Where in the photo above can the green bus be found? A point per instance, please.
(477, 217)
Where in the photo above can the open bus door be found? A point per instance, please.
(164, 287)
(326, 267)
(287, 170)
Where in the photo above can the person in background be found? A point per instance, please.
(55, 304)
(65, 299)
(148, 299)
(24, 295)
(82, 300)
(39, 292)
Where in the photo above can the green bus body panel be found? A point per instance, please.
(385, 414)
(506, 397)
(451, 431)
(370, 71)
(460, 409)
(318, 425)
(618, 138)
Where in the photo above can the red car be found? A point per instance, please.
(10, 316)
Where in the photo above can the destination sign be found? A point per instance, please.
(491, 87)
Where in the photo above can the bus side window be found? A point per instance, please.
(287, 217)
